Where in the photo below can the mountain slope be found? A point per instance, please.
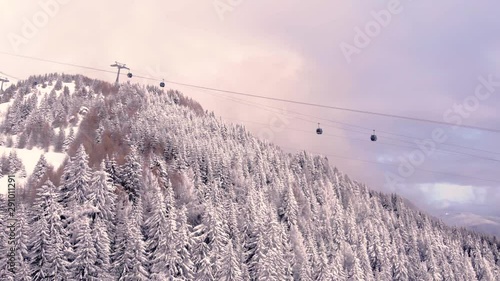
(485, 224)
(156, 188)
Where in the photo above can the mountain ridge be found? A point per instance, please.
(241, 208)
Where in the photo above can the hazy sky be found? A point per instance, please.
(415, 58)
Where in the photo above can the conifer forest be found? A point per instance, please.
(154, 187)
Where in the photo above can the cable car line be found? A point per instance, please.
(383, 143)
(346, 124)
(372, 162)
(5, 74)
(404, 141)
(296, 102)
(334, 107)
(278, 99)
(238, 93)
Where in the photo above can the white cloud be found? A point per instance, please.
(286, 51)
(385, 159)
(451, 193)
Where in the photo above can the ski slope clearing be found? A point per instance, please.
(29, 157)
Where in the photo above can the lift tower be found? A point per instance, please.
(119, 66)
(3, 80)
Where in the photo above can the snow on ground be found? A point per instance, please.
(30, 157)
(71, 87)
(3, 109)
(41, 92)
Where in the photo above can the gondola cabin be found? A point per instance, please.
(319, 131)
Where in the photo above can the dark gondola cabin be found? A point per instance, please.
(373, 137)
(319, 131)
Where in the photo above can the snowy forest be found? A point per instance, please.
(154, 187)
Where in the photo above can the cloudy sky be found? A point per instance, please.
(419, 59)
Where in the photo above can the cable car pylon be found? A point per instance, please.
(120, 66)
(3, 79)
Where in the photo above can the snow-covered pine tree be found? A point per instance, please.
(161, 235)
(58, 85)
(131, 174)
(39, 171)
(47, 249)
(302, 269)
(112, 169)
(99, 233)
(184, 245)
(289, 209)
(323, 272)
(366, 234)
(4, 272)
(59, 142)
(15, 164)
(118, 235)
(129, 254)
(84, 266)
(231, 266)
(69, 140)
(22, 237)
(99, 131)
(210, 237)
(104, 198)
(75, 185)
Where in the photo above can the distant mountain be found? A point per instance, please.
(473, 216)
(486, 224)
(156, 188)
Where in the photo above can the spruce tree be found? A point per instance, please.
(131, 174)
(22, 238)
(184, 245)
(161, 236)
(39, 171)
(47, 246)
(84, 267)
(130, 255)
(104, 198)
(75, 189)
(99, 233)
